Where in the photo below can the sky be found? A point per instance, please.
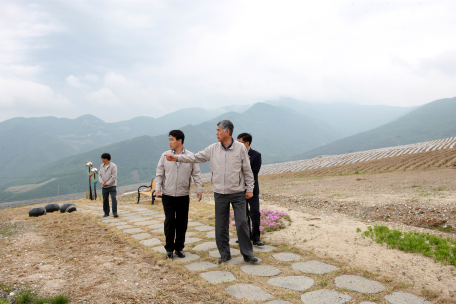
(121, 59)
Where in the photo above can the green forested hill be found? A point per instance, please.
(435, 120)
(278, 134)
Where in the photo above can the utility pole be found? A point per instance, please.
(398, 137)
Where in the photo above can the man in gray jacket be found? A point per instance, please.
(108, 179)
(172, 183)
(231, 172)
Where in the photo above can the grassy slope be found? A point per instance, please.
(432, 121)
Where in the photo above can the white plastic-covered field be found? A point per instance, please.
(351, 158)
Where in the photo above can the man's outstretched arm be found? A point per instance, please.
(200, 157)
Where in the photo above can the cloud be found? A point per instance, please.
(75, 82)
(106, 98)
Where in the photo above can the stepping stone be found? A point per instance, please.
(190, 224)
(298, 283)
(367, 302)
(149, 213)
(131, 217)
(314, 267)
(233, 242)
(133, 230)
(110, 220)
(159, 217)
(140, 219)
(359, 284)
(218, 276)
(325, 296)
(159, 231)
(278, 302)
(261, 270)
(151, 242)
(211, 234)
(286, 256)
(200, 266)
(188, 257)
(204, 228)
(145, 223)
(118, 224)
(192, 240)
(160, 249)
(265, 248)
(190, 233)
(248, 292)
(205, 246)
(124, 226)
(404, 298)
(141, 236)
(216, 253)
(239, 260)
(162, 225)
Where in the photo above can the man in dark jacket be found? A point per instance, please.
(254, 213)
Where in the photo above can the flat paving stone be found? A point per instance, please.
(265, 248)
(118, 224)
(133, 230)
(151, 242)
(141, 236)
(145, 223)
(131, 217)
(367, 302)
(205, 246)
(404, 298)
(240, 261)
(261, 270)
(211, 234)
(160, 249)
(124, 226)
(162, 225)
(190, 233)
(141, 219)
(359, 284)
(111, 220)
(192, 240)
(277, 302)
(201, 266)
(248, 292)
(315, 267)
(233, 242)
(149, 213)
(160, 217)
(215, 277)
(158, 231)
(325, 296)
(204, 228)
(286, 256)
(298, 283)
(191, 224)
(188, 257)
(216, 253)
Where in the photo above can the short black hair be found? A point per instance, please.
(106, 156)
(177, 134)
(246, 137)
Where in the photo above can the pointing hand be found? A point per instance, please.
(171, 157)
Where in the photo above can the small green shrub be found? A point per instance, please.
(26, 295)
(60, 299)
(356, 172)
(41, 301)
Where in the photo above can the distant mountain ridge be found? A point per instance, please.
(432, 121)
(278, 133)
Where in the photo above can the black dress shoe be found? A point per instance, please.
(115, 215)
(259, 243)
(224, 259)
(250, 259)
(180, 254)
(237, 241)
(169, 255)
(106, 215)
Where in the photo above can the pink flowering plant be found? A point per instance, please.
(270, 220)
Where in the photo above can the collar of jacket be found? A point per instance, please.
(226, 148)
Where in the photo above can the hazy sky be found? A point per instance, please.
(121, 59)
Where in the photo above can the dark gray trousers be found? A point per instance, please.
(105, 192)
(222, 221)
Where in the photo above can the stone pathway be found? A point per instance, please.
(146, 226)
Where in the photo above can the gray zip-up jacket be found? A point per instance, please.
(230, 169)
(174, 181)
(108, 174)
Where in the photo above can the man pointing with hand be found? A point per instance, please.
(230, 173)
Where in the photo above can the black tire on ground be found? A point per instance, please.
(37, 211)
(71, 209)
(51, 207)
(65, 206)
